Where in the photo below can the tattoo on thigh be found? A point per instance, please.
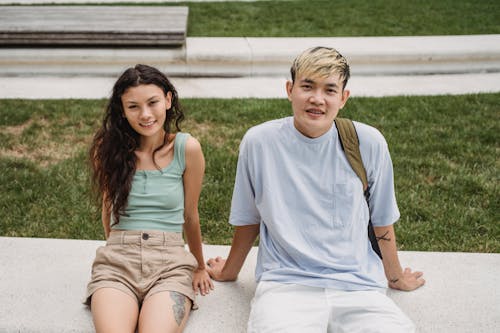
(178, 307)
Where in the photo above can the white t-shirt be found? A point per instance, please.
(311, 206)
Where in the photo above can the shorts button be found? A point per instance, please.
(145, 236)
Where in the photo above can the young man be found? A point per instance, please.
(316, 269)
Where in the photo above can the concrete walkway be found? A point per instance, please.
(42, 285)
(256, 87)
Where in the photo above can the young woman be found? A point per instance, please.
(149, 177)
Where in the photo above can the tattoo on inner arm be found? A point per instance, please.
(383, 237)
(178, 307)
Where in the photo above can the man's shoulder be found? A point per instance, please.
(368, 135)
(266, 129)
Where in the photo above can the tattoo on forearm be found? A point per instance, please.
(393, 280)
(178, 307)
(383, 237)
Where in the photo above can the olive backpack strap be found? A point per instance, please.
(350, 144)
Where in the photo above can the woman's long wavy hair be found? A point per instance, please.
(112, 152)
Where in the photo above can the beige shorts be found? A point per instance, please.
(142, 263)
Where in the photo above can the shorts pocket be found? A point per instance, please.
(192, 259)
(179, 257)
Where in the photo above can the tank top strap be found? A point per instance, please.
(180, 148)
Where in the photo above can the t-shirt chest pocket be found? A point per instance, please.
(347, 191)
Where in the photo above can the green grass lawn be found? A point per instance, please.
(326, 18)
(344, 18)
(444, 150)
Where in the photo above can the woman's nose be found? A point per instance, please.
(145, 112)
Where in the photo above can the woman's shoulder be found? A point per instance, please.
(189, 142)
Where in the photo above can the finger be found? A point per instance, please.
(200, 287)
(418, 274)
(204, 288)
(207, 287)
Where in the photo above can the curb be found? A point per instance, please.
(256, 57)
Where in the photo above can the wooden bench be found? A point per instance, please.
(93, 25)
(42, 286)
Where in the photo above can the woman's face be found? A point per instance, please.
(145, 108)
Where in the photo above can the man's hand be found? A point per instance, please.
(408, 281)
(202, 282)
(215, 267)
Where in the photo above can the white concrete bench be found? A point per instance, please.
(42, 285)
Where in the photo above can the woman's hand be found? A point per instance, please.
(202, 282)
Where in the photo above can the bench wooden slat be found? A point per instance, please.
(93, 25)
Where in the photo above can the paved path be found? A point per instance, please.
(257, 87)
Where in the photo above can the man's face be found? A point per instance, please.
(315, 103)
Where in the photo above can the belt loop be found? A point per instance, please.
(122, 237)
(165, 242)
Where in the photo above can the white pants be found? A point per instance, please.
(278, 307)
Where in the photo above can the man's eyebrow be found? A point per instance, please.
(307, 81)
(311, 81)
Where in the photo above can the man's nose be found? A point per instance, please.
(316, 97)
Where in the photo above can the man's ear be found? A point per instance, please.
(289, 87)
(345, 96)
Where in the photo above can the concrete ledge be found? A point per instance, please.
(42, 284)
(239, 56)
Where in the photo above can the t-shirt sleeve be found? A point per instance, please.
(243, 207)
(383, 205)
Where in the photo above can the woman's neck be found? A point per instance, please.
(151, 143)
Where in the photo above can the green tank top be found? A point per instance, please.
(156, 199)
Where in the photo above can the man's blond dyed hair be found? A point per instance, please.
(320, 62)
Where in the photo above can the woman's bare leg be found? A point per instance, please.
(164, 312)
(114, 311)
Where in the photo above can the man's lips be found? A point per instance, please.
(315, 111)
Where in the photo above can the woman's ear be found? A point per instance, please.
(168, 100)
